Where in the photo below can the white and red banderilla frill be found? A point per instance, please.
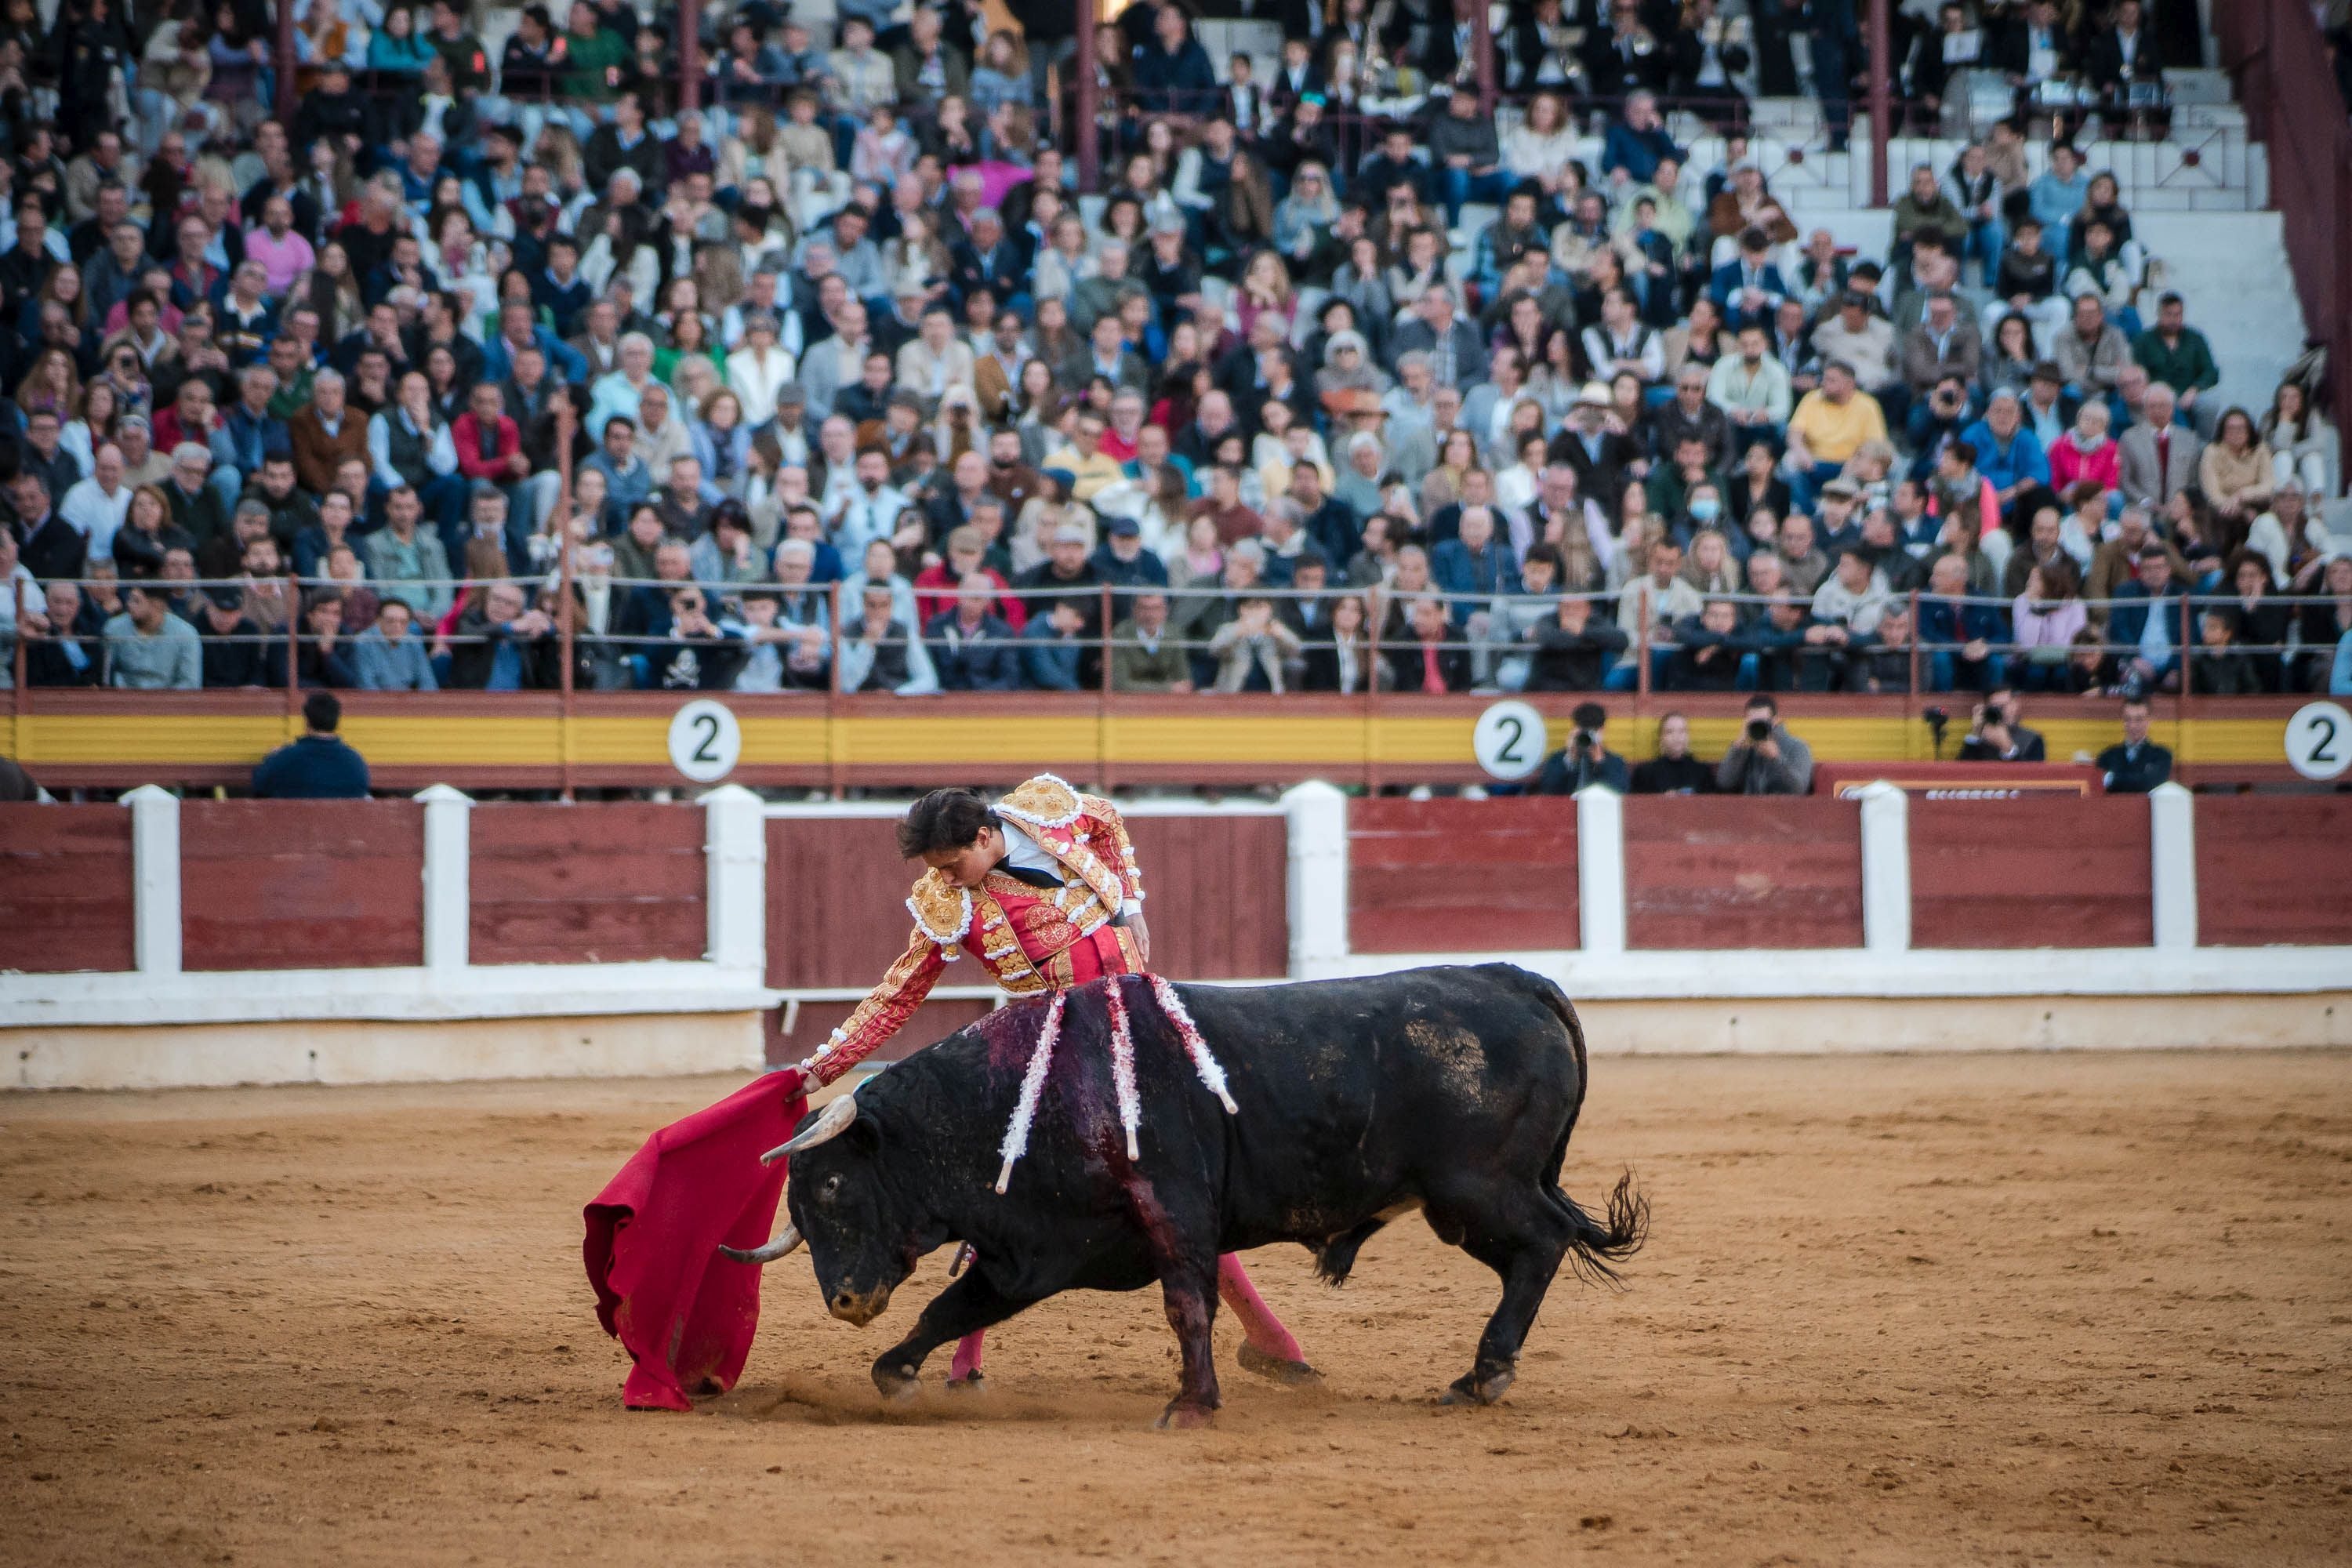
(1122, 1067)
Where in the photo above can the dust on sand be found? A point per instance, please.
(1982, 1308)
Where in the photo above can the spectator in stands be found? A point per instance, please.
(1827, 428)
(1468, 157)
(1145, 656)
(1997, 733)
(2135, 764)
(1766, 759)
(1586, 759)
(1925, 210)
(1639, 142)
(2176, 354)
(1673, 771)
(2155, 457)
(2148, 624)
(320, 766)
(147, 648)
(972, 647)
(388, 657)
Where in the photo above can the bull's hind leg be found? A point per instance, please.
(964, 1308)
(1522, 1238)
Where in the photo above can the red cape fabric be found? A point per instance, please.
(686, 1314)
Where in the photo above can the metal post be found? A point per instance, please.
(1375, 612)
(1482, 45)
(1103, 778)
(283, 59)
(294, 651)
(1881, 107)
(833, 765)
(564, 417)
(1642, 654)
(1915, 642)
(689, 56)
(1081, 118)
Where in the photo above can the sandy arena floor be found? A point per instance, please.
(2049, 1309)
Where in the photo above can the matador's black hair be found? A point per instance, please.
(944, 819)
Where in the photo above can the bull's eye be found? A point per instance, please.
(830, 1187)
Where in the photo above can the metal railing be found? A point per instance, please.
(1495, 630)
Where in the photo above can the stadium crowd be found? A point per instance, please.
(1342, 383)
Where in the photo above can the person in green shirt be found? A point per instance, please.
(2177, 356)
(598, 56)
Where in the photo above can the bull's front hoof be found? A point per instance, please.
(1278, 1368)
(1472, 1389)
(1181, 1417)
(897, 1379)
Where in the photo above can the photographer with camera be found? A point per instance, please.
(1586, 759)
(1766, 759)
(1996, 735)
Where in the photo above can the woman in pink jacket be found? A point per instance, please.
(2086, 451)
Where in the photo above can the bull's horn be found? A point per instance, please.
(828, 1125)
(787, 1240)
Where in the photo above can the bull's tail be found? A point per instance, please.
(1594, 1246)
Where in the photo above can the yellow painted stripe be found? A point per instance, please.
(932, 737)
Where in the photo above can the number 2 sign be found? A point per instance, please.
(2319, 740)
(1510, 741)
(705, 741)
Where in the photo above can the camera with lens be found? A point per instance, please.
(1759, 730)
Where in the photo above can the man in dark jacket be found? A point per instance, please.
(972, 647)
(1586, 759)
(2138, 764)
(1575, 649)
(236, 653)
(318, 767)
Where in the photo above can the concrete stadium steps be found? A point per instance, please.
(2233, 270)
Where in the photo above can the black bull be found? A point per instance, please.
(1452, 1091)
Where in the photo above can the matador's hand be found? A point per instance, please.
(1142, 938)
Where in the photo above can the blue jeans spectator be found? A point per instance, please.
(1948, 671)
(1459, 185)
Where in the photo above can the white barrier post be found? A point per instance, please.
(154, 878)
(1318, 876)
(735, 855)
(1885, 868)
(449, 877)
(2172, 852)
(1600, 868)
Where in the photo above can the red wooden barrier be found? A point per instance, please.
(588, 884)
(2041, 871)
(64, 888)
(1709, 872)
(1462, 876)
(2273, 869)
(305, 884)
(1213, 887)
